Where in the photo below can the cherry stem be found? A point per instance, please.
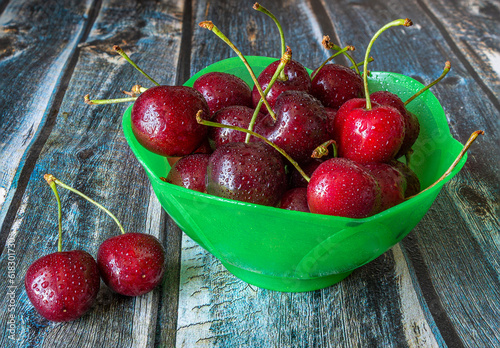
(360, 64)
(107, 101)
(446, 70)
(322, 150)
(281, 66)
(274, 146)
(51, 179)
(331, 46)
(135, 91)
(469, 142)
(264, 10)
(343, 50)
(406, 22)
(210, 26)
(126, 57)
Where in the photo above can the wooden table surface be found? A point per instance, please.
(439, 287)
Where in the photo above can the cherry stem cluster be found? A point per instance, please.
(210, 26)
(469, 142)
(406, 22)
(329, 45)
(446, 69)
(277, 148)
(343, 50)
(52, 181)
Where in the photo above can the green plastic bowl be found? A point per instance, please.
(294, 251)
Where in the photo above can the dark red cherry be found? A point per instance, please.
(190, 172)
(248, 172)
(222, 89)
(298, 79)
(335, 84)
(300, 126)
(131, 264)
(295, 199)
(239, 116)
(392, 184)
(63, 286)
(164, 120)
(412, 181)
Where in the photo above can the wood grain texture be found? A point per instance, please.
(27, 32)
(86, 149)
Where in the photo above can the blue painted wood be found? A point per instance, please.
(86, 149)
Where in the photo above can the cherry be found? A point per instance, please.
(295, 199)
(412, 181)
(411, 123)
(300, 126)
(334, 84)
(240, 116)
(392, 184)
(248, 172)
(369, 133)
(297, 79)
(130, 264)
(164, 120)
(189, 172)
(62, 286)
(342, 187)
(222, 89)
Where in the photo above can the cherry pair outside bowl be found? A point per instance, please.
(294, 251)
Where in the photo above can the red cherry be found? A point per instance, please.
(63, 286)
(131, 264)
(221, 90)
(342, 187)
(164, 120)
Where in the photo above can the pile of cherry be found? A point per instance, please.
(304, 116)
(318, 143)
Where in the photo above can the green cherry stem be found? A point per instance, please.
(469, 142)
(360, 64)
(126, 57)
(446, 70)
(329, 45)
(107, 101)
(210, 26)
(406, 22)
(277, 148)
(287, 56)
(264, 10)
(343, 50)
(51, 179)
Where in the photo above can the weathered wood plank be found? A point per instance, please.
(49, 32)
(86, 149)
(217, 309)
(446, 246)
